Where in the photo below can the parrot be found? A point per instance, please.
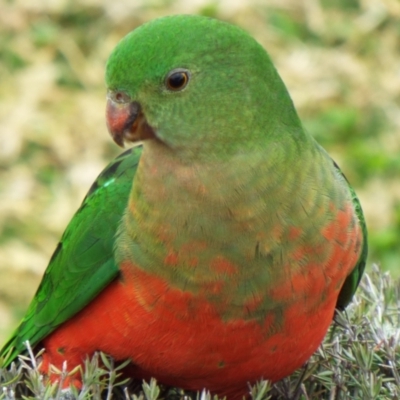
(215, 251)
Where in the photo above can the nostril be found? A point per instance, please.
(118, 97)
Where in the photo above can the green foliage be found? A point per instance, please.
(359, 359)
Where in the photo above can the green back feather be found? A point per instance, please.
(351, 283)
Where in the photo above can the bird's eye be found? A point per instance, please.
(177, 79)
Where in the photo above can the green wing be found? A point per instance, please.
(351, 283)
(83, 263)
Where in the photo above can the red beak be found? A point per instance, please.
(122, 120)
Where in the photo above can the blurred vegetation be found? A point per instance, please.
(339, 59)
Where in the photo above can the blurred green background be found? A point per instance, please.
(339, 58)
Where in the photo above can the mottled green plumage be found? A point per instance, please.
(247, 148)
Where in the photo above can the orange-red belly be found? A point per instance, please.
(181, 340)
(185, 340)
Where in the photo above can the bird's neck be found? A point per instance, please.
(219, 228)
(197, 210)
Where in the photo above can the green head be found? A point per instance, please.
(198, 85)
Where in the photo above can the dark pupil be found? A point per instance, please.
(177, 80)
